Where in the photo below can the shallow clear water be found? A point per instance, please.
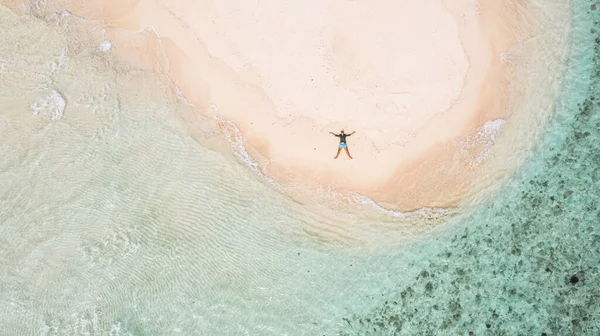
(116, 219)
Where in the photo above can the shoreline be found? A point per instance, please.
(408, 155)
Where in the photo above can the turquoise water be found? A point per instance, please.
(117, 219)
(528, 263)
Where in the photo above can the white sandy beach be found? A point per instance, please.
(414, 79)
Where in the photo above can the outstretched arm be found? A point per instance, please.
(351, 133)
(333, 134)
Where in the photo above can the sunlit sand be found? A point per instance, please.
(425, 84)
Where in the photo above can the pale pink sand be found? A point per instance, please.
(411, 77)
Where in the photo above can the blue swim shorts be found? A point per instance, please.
(342, 145)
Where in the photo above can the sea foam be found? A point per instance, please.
(236, 139)
(477, 145)
(52, 105)
(105, 46)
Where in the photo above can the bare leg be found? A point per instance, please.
(338, 153)
(347, 152)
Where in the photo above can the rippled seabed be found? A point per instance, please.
(132, 228)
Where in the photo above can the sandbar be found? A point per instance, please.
(414, 79)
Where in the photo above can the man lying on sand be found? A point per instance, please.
(343, 145)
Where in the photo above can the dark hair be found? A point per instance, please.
(342, 131)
